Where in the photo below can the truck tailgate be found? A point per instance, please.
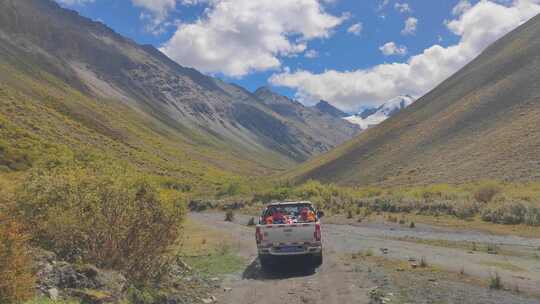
(288, 233)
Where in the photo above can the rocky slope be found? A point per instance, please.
(326, 107)
(227, 126)
(481, 123)
(313, 128)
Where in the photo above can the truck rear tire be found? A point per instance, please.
(266, 261)
(317, 259)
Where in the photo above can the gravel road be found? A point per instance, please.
(384, 274)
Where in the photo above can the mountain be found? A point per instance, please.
(315, 129)
(325, 107)
(80, 85)
(481, 123)
(373, 116)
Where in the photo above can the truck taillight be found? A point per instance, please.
(258, 235)
(317, 232)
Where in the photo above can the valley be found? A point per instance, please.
(132, 175)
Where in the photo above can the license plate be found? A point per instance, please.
(291, 249)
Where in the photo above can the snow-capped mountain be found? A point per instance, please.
(374, 116)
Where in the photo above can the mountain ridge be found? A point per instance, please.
(373, 116)
(481, 123)
(42, 41)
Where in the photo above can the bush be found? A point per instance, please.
(512, 213)
(112, 219)
(495, 281)
(486, 192)
(16, 277)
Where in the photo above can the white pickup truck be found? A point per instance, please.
(289, 229)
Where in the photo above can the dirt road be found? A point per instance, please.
(372, 263)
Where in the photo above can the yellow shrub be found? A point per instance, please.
(16, 277)
(112, 218)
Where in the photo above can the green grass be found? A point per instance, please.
(209, 251)
(222, 261)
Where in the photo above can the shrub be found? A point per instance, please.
(495, 281)
(113, 219)
(511, 213)
(486, 192)
(16, 277)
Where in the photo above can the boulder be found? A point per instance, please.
(94, 285)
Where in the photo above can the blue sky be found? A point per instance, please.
(317, 49)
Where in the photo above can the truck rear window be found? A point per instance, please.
(288, 214)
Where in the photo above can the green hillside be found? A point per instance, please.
(42, 118)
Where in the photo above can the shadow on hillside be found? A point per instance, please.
(282, 268)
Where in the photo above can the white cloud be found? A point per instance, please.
(158, 11)
(383, 4)
(356, 29)
(74, 2)
(159, 7)
(410, 26)
(311, 54)
(236, 37)
(192, 2)
(403, 7)
(478, 27)
(461, 7)
(391, 48)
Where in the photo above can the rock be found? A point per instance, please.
(92, 296)
(207, 300)
(58, 277)
(414, 265)
(227, 289)
(384, 250)
(53, 294)
(215, 279)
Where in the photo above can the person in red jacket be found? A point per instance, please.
(278, 217)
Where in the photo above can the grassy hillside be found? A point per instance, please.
(481, 123)
(45, 118)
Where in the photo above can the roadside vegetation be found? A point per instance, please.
(491, 201)
(86, 210)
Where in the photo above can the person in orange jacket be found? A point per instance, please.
(307, 215)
